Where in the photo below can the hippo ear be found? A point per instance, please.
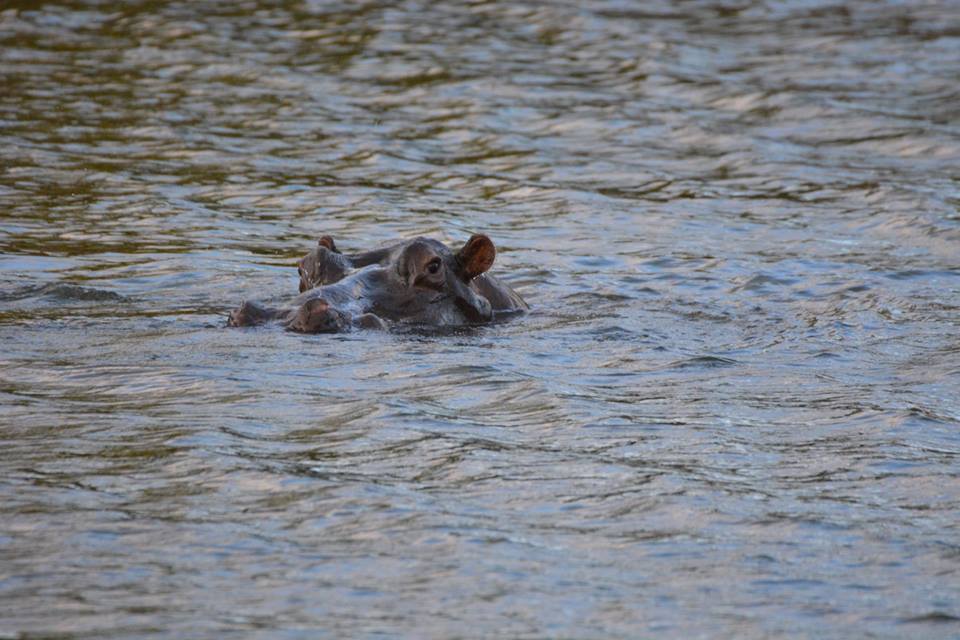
(327, 241)
(476, 257)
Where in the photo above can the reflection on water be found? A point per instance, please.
(733, 410)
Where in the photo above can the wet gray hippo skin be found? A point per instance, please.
(326, 264)
(418, 281)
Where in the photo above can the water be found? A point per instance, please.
(732, 412)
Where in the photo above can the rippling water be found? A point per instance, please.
(733, 410)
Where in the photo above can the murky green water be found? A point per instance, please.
(733, 411)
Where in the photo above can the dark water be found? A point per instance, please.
(733, 411)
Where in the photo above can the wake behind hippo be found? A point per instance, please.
(419, 281)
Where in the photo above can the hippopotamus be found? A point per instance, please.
(418, 281)
(325, 264)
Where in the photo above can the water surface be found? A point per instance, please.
(732, 412)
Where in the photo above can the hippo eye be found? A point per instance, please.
(433, 266)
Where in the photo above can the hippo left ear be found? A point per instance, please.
(327, 241)
(476, 257)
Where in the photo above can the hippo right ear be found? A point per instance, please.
(475, 257)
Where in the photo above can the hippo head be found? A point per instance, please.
(428, 265)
